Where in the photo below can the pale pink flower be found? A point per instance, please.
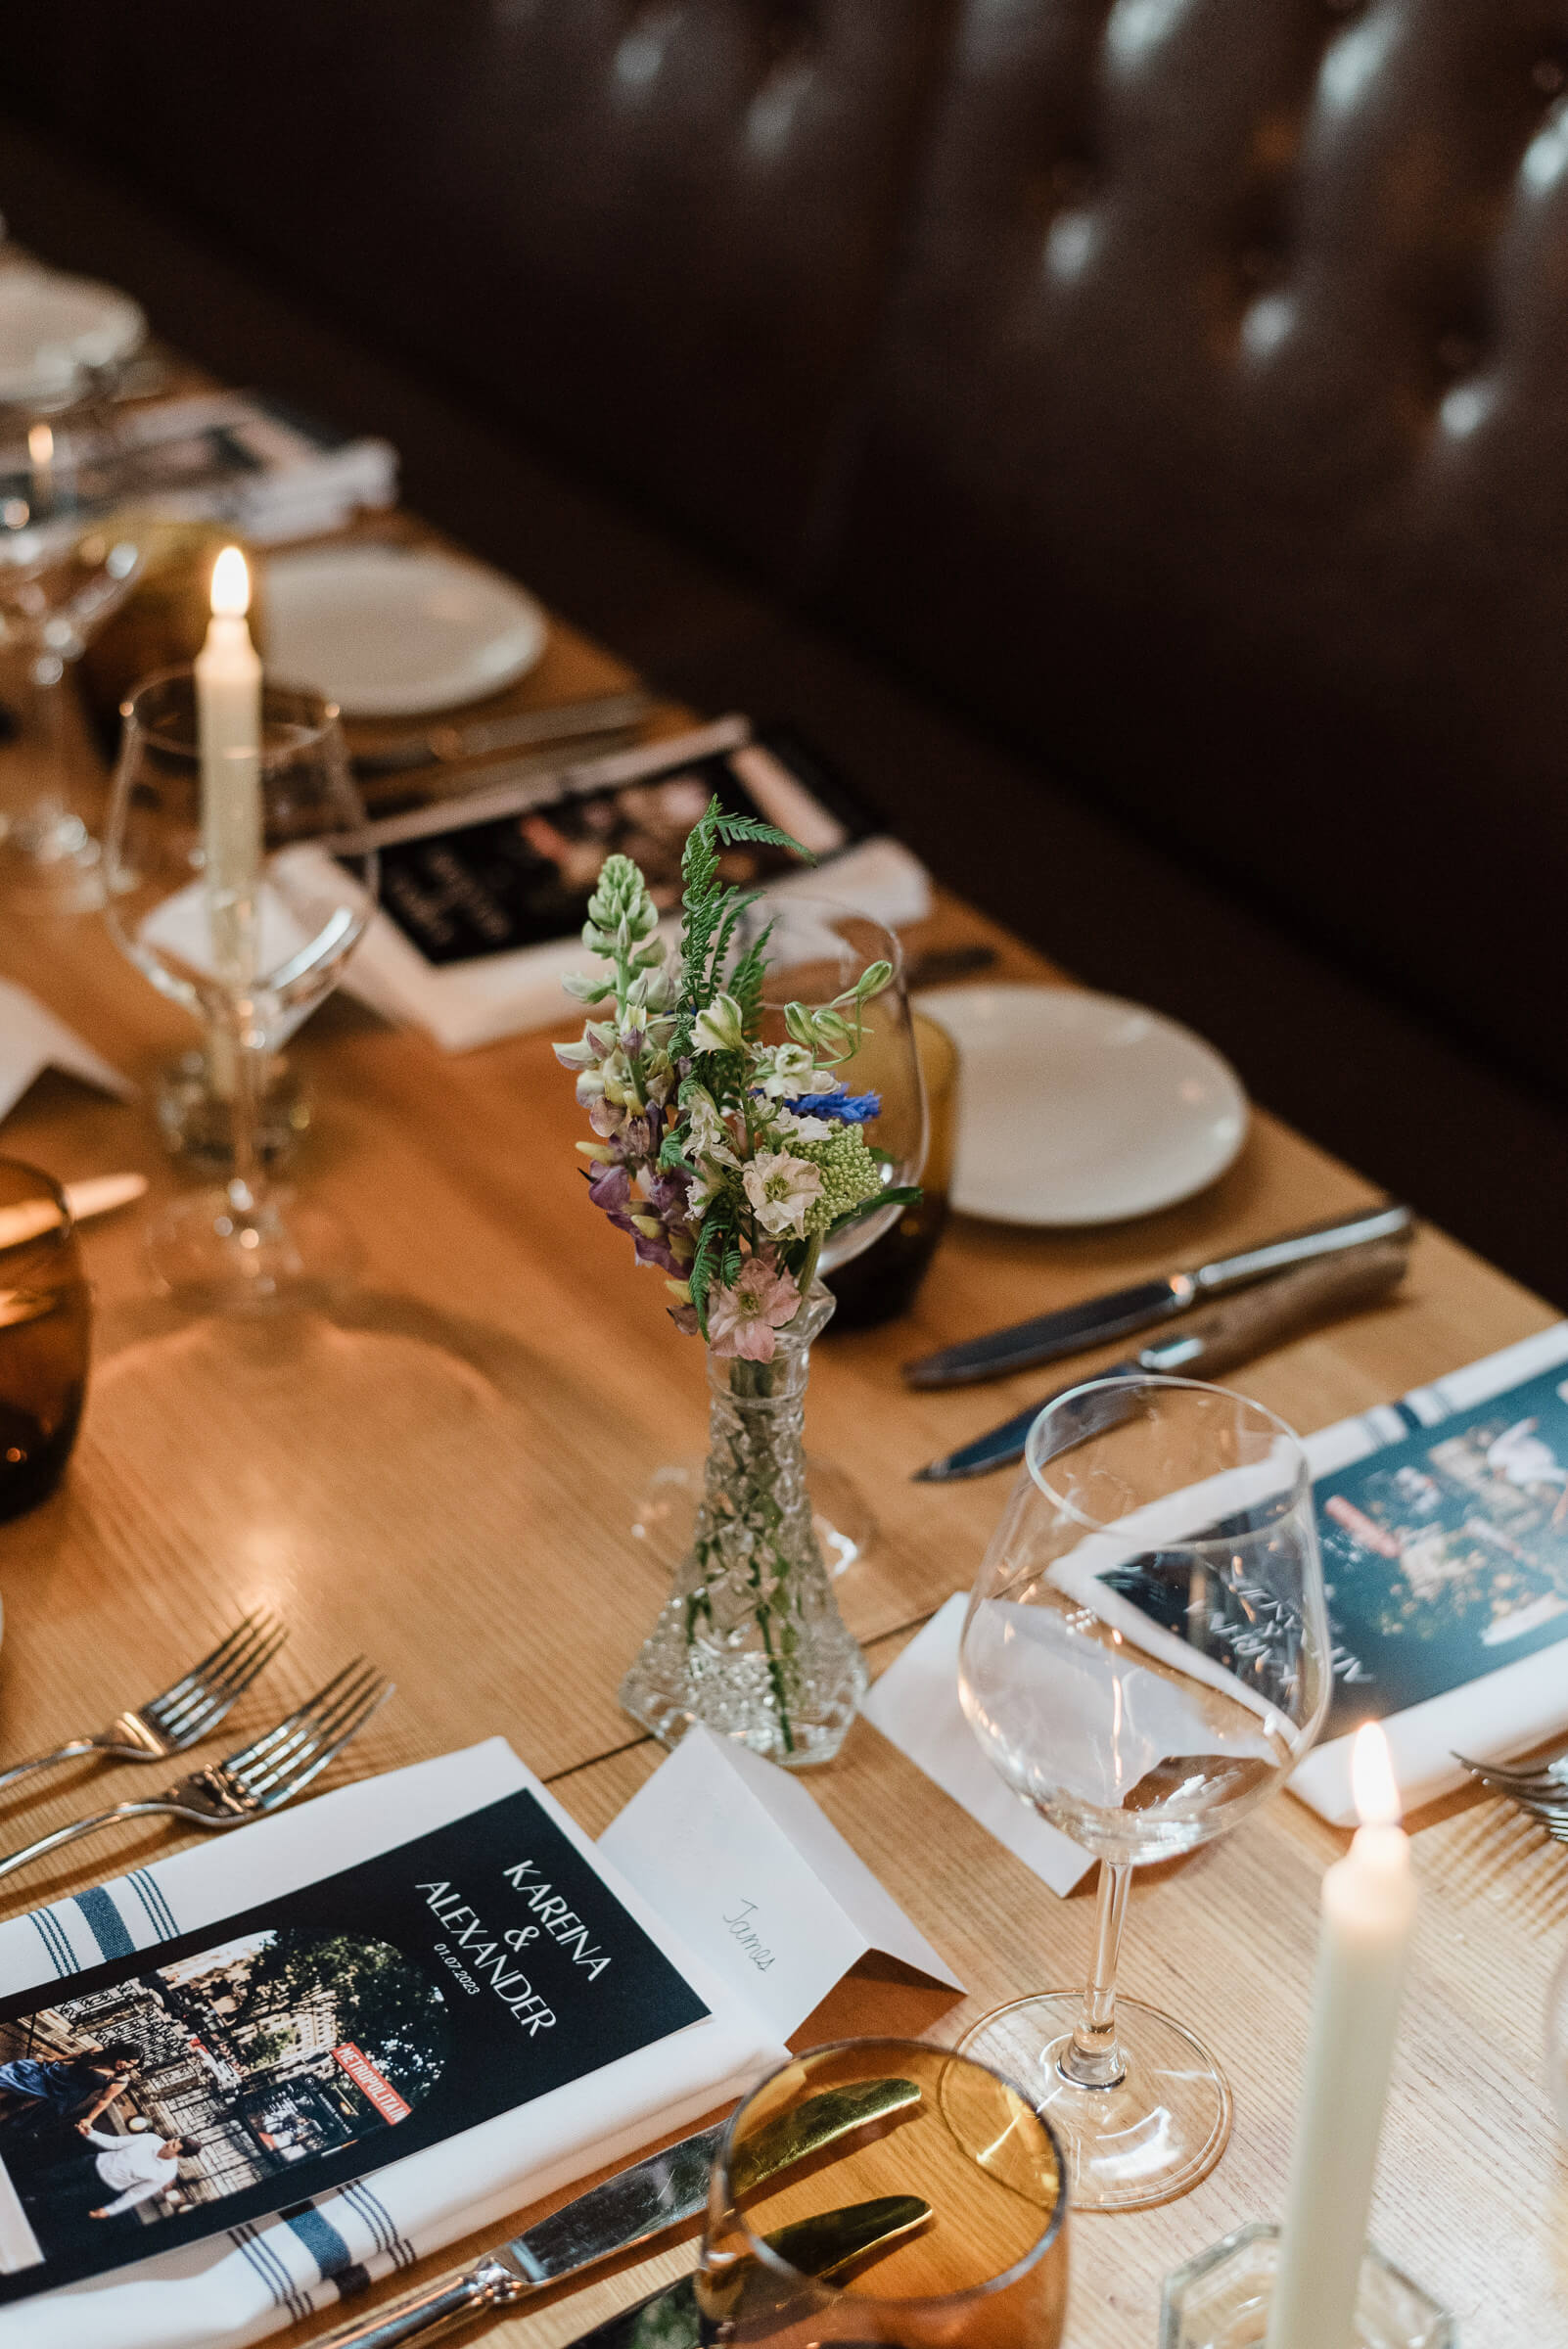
(742, 1321)
(781, 1189)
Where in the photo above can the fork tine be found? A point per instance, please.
(371, 1703)
(319, 1721)
(215, 1661)
(229, 1679)
(1519, 1781)
(270, 1738)
(205, 1710)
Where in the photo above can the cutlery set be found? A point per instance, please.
(647, 2200)
(260, 1777)
(1272, 1293)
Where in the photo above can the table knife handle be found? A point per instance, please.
(439, 2309)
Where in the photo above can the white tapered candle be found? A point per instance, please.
(228, 716)
(1368, 1917)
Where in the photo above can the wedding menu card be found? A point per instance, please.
(314, 2039)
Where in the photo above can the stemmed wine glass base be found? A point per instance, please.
(208, 1251)
(1150, 2137)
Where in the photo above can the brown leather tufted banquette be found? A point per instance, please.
(1181, 382)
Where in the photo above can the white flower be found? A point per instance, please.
(708, 1134)
(783, 1070)
(781, 1189)
(792, 1126)
(719, 1028)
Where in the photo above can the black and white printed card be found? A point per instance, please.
(173, 2092)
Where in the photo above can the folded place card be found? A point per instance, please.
(915, 1705)
(762, 1885)
(33, 1040)
(354, 2032)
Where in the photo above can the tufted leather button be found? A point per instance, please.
(1549, 74)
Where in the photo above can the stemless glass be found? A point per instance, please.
(818, 950)
(249, 964)
(955, 2192)
(1146, 1655)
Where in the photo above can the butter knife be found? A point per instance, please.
(820, 2245)
(1250, 1323)
(1076, 1328)
(629, 2208)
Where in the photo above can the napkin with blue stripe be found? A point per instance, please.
(248, 2281)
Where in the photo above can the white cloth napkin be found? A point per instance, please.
(239, 2285)
(915, 1705)
(464, 1004)
(33, 1040)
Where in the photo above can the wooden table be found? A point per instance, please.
(443, 1475)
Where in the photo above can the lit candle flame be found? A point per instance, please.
(1372, 1781)
(231, 586)
(41, 444)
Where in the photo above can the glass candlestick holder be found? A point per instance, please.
(1220, 2300)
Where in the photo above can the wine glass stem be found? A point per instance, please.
(1093, 2060)
(249, 1073)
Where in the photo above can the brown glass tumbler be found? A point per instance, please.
(880, 1284)
(885, 2190)
(45, 1321)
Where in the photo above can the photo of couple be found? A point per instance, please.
(200, 2079)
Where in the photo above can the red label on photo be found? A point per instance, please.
(363, 2073)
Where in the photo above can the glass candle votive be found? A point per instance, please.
(1220, 2300)
(940, 2218)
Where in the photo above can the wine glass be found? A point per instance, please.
(66, 561)
(885, 2190)
(250, 940)
(817, 950)
(1146, 1655)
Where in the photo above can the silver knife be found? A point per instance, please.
(1076, 1327)
(1250, 1323)
(565, 721)
(625, 2210)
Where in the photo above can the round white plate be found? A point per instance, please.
(1081, 1109)
(386, 631)
(51, 327)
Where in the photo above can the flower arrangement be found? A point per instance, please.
(728, 1160)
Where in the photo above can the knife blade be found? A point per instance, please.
(563, 721)
(635, 2204)
(1074, 1327)
(1252, 1323)
(817, 2246)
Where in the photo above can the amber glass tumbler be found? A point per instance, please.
(956, 2187)
(44, 1326)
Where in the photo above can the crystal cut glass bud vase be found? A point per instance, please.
(750, 1642)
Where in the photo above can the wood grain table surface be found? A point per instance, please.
(443, 1474)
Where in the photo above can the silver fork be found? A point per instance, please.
(184, 1713)
(1541, 1792)
(261, 1777)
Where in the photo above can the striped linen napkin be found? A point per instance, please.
(248, 2281)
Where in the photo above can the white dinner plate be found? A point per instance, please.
(386, 631)
(52, 326)
(1076, 1108)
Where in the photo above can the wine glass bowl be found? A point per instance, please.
(66, 561)
(1146, 1656)
(248, 955)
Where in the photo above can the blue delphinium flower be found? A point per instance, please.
(850, 1109)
